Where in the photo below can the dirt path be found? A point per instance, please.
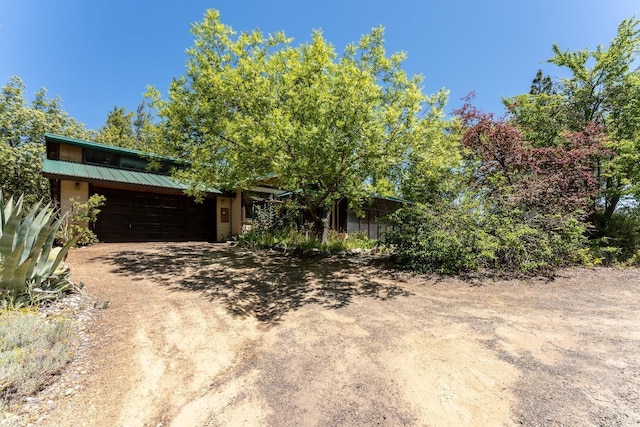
(207, 335)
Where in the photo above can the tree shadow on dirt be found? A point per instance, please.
(261, 284)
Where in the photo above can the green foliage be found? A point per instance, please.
(437, 240)
(532, 245)
(32, 349)
(431, 169)
(618, 240)
(22, 129)
(465, 236)
(118, 129)
(302, 242)
(327, 125)
(602, 89)
(77, 218)
(269, 217)
(272, 228)
(129, 130)
(21, 172)
(542, 118)
(355, 240)
(32, 268)
(21, 123)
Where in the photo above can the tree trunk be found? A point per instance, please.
(610, 208)
(601, 222)
(321, 226)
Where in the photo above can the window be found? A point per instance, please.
(53, 151)
(104, 158)
(133, 163)
(100, 158)
(127, 161)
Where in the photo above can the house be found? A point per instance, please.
(144, 203)
(345, 220)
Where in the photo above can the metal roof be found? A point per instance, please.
(107, 148)
(375, 196)
(84, 172)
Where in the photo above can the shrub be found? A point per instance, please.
(274, 226)
(32, 268)
(32, 348)
(76, 220)
(618, 240)
(465, 237)
(428, 240)
(296, 241)
(534, 244)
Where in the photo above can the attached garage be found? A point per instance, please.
(129, 216)
(141, 205)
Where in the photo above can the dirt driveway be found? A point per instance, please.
(207, 335)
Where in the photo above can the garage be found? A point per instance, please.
(134, 216)
(143, 202)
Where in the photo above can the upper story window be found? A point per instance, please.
(133, 163)
(53, 150)
(102, 158)
(124, 161)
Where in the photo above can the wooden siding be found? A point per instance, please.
(70, 153)
(223, 227)
(237, 214)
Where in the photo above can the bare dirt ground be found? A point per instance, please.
(208, 335)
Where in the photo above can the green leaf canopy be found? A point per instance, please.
(327, 125)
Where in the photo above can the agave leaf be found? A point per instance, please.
(62, 253)
(7, 209)
(47, 246)
(8, 241)
(8, 279)
(55, 257)
(46, 268)
(47, 264)
(20, 275)
(40, 221)
(28, 230)
(38, 249)
(2, 220)
(12, 207)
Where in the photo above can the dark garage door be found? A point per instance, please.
(129, 216)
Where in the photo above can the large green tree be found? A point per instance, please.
(128, 129)
(602, 89)
(327, 125)
(22, 129)
(118, 129)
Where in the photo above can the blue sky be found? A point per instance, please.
(99, 54)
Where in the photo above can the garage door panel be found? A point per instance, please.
(129, 216)
(156, 215)
(114, 216)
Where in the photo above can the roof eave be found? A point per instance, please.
(108, 148)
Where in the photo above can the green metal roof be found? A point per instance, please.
(107, 148)
(84, 172)
(393, 199)
(375, 196)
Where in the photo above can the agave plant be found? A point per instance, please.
(31, 268)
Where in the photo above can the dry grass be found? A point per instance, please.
(32, 349)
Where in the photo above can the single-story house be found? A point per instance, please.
(146, 204)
